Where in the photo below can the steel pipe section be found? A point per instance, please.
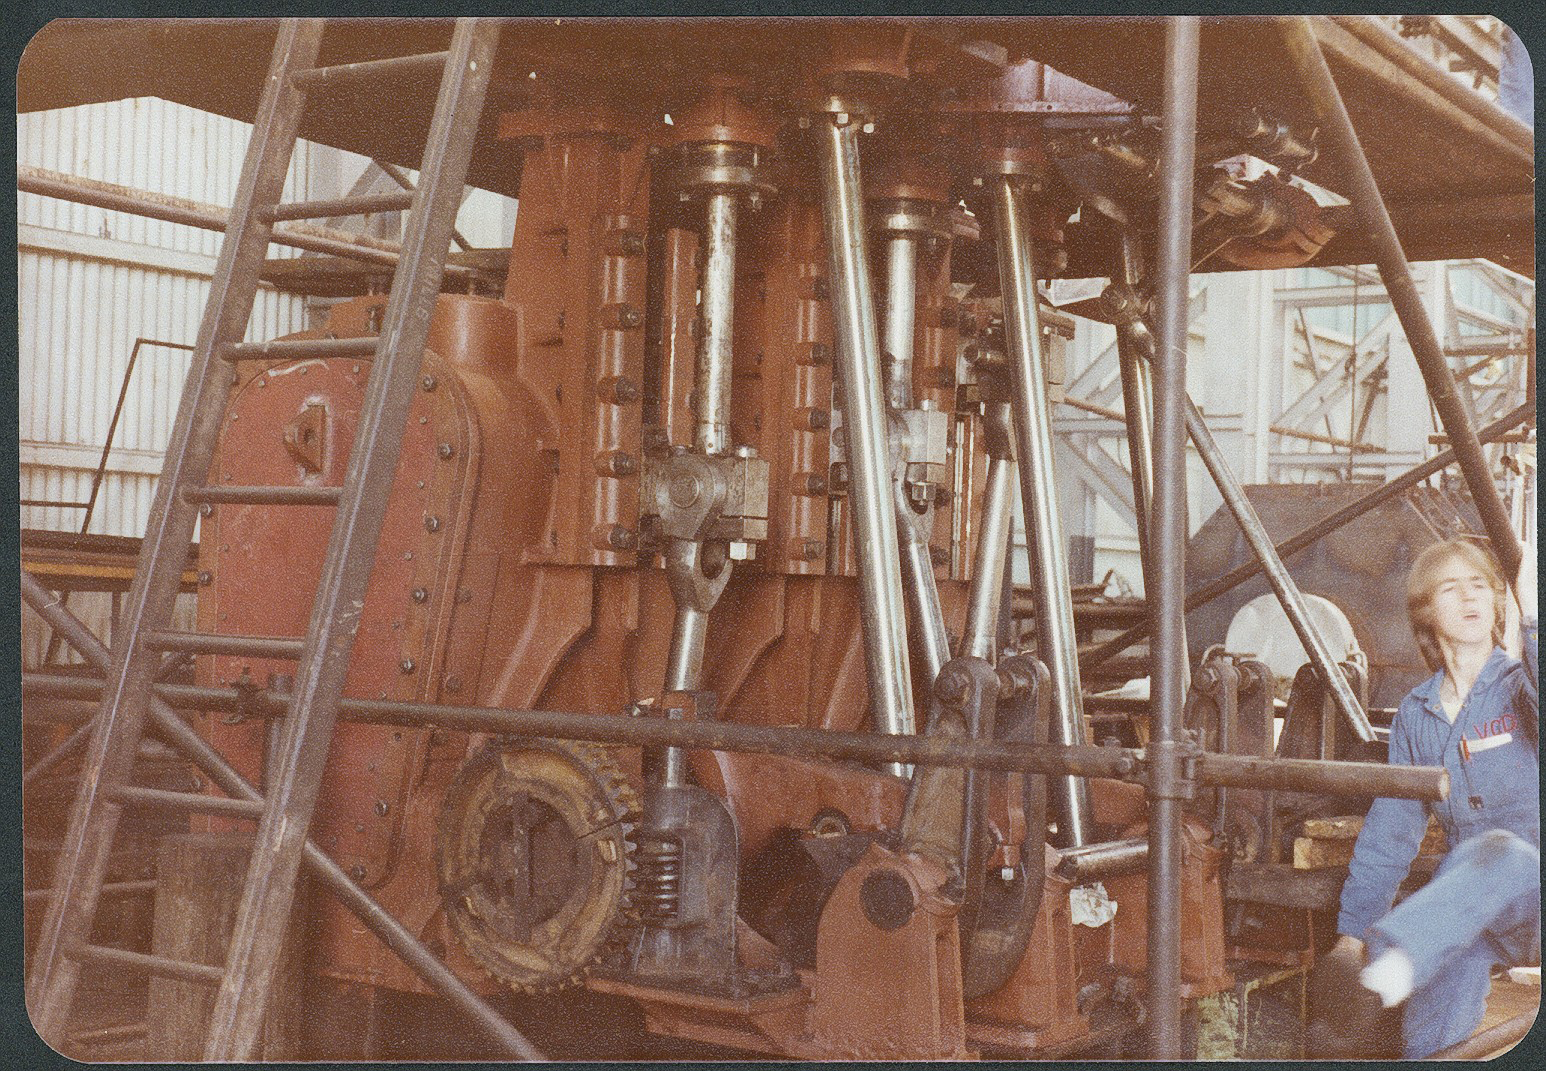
(1283, 585)
(377, 919)
(1038, 495)
(717, 320)
(1168, 535)
(1336, 128)
(883, 616)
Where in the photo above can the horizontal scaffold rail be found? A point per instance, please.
(1128, 764)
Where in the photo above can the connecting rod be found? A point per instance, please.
(1033, 441)
(882, 612)
(697, 568)
(1138, 400)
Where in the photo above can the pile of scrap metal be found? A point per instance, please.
(685, 671)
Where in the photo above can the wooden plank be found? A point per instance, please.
(1330, 842)
(1312, 854)
(1333, 828)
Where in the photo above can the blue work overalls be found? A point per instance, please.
(1482, 907)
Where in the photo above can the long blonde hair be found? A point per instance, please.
(1422, 582)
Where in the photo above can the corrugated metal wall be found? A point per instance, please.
(91, 281)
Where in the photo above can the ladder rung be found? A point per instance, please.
(300, 348)
(211, 643)
(354, 72)
(343, 206)
(187, 801)
(265, 496)
(175, 968)
(106, 1035)
(111, 888)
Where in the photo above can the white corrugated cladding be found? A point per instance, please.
(93, 281)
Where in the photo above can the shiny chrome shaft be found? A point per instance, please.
(883, 615)
(901, 316)
(1033, 441)
(716, 321)
(984, 601)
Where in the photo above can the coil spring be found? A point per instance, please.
(658, 881)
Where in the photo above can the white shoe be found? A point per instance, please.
(1390, 976)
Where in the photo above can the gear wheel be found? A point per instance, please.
(532, 853)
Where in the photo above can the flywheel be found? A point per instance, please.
(532, 854)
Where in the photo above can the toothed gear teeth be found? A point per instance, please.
(534, 857)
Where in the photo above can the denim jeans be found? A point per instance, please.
(1482, 909)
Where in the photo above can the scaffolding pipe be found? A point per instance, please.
(1313, 533)
(1330, 114)
(377, 919)
(1168, 535)
(308, 236)
(1283, 585)
(1364, 779)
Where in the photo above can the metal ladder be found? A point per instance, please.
(284, 816)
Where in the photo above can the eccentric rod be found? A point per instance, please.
(985, 595)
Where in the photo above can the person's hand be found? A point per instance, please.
(1348, 943)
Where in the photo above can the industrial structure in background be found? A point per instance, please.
(740, 573)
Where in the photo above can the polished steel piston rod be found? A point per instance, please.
(1033, 440)
(866, 442)
(688, 562)
(717, 321)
